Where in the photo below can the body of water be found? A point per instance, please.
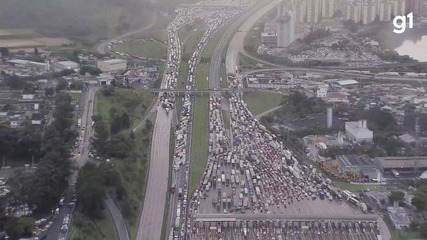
(415, 48)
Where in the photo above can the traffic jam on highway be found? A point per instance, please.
(213, 20)
(259, 175)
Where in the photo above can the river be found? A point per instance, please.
(412, 43)
(416, 49)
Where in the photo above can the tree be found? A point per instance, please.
(101, 135)
(4, 51)
(423, 230)
(91, 191)
(120, 146)
(420, 197)
(119, 123)
(419, 203)
(61, 85)
(94, 71)
(396, 196)
(19, 227)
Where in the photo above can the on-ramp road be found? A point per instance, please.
(151, 221)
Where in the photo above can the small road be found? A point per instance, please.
(117, 217)
(101, 48)
(86, 131)
(268, 112)
(151, 221)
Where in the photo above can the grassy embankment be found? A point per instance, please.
(259, 102)
(150, 45)
(132, 169)
(189, 38)
(200, 135)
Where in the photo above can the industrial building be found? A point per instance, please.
(358, 132)
(66, 65)
(360, 166)
(269, 39)
(402, 164)
(112, 65)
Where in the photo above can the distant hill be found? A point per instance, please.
(87, 20)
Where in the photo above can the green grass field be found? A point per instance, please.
(202, 81)
(199, 148)
(87, 229)
(134, 102)
(149, 48)
(259, 102)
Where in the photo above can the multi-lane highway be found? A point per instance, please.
(151, 221)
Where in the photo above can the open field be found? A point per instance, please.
(134, 102)
(149, 48)
(259, 102)
(199, 148)
(200, 134)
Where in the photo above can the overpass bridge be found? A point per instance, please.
(237, 218)
(208, 91)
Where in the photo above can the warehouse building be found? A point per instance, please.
(361, 166)
(112, 65)
(66, 65)
(358, 132)
(402, 164)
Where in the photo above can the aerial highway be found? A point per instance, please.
(153, 209)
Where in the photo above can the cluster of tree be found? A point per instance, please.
(44, 188)
(299, 105)
(92, 184)
(393, 56)
(420, 198)
(20, 145)
(16, 228)
(111, 143)
(396, 196)
(119, 122)
(351, 26)
(315, 35)
(94, 71)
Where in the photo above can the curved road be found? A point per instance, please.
(236, 44)
(101, 48)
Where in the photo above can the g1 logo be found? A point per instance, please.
(400, 23)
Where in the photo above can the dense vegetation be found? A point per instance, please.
(123, 137)
(42, 188)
